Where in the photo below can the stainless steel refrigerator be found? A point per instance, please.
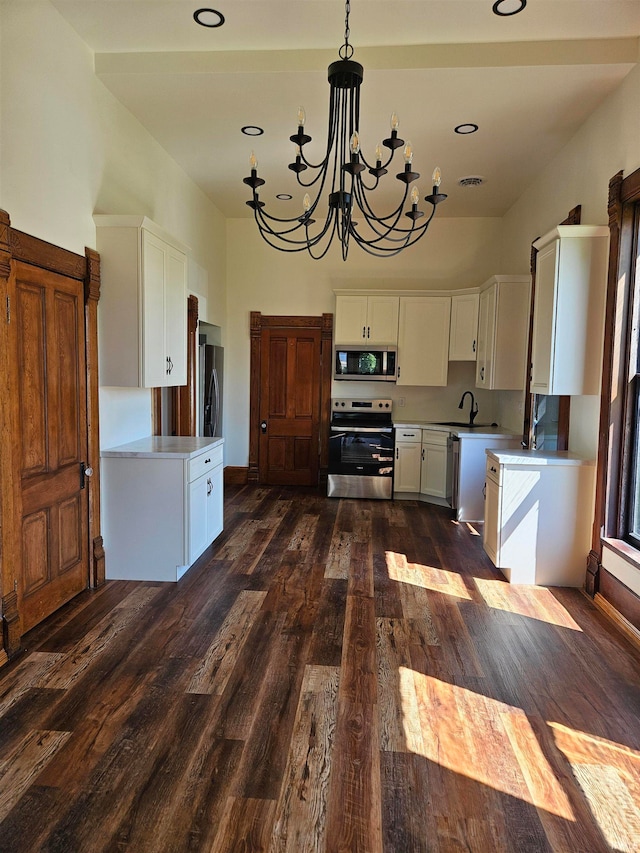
(211, 364)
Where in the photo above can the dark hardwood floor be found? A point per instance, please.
(337, 675)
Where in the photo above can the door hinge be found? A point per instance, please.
(8, 309)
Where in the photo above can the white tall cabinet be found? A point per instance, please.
(423, 340)
(463, 337)
(568, 316)
(143, 304)
(503, 331)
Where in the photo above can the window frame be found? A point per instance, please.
(619, 424)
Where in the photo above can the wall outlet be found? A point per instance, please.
(401, 401)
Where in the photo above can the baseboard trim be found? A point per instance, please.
(630, 631)
(236, 475)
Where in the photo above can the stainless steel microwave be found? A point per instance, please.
(377, 364)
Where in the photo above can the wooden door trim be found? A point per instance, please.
(258, 322)
(17, 246)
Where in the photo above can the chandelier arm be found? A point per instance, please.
(264, 226)
(327, 247)
(367, 210)
(331, 132)
(412, 235)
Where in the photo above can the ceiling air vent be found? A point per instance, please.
(470, 181)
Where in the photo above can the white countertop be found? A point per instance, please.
(165, 447)
(538, 457)
(460, 431)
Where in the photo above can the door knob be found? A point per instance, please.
(263, 426)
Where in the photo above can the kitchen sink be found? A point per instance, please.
(462, 424)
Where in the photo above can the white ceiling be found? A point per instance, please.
(529, 81)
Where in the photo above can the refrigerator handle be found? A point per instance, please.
(216, 387)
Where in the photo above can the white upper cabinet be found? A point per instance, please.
(463, 337)
(503, 333)
(366, 319)
(423, 340)
(143, 304)
(569, 305)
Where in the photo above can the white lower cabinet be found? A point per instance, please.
(162, 500)
(538, 512)
(205, 511)
(421, 462)
(435, 475)
(406, 469)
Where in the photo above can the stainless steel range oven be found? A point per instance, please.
(360, 449)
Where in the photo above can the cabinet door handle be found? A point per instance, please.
(482, 373)
(423, 454)
(364, 331)
(397, 453)
(492, 469)
(368, 331)
(209, 486)
(484, 492)
(474, 346)
(206, 461)
(398, 372)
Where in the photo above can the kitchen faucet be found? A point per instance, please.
(474, 407)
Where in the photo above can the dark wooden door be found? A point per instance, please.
(49, 319)
(290, 371)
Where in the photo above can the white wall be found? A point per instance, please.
(455, 253)
(607, 142)
(68, 150)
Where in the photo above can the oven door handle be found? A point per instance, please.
(361, 429)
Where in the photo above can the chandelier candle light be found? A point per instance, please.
(340, 172)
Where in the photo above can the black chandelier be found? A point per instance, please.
(340, 173)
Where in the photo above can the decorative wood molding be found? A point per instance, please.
(24, 247)
(630, 631)
(593, 570)
(156, 411)
(11, 624)
(623, 194)
(98, 568)
(91, 297)
(184, 397)
(236, 475)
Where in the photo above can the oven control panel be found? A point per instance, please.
(347, 404)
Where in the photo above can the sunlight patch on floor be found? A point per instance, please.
(481, 739)
(608, 774)
(426, 577)
(530, 601)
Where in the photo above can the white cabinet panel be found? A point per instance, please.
(366, 319)
(406, 470)
(423, 340)
(503, 332)
(463, 336)
(142, 311)
(538, 516)
(433, 475)
(568, 317)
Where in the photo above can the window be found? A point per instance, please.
(630, 459)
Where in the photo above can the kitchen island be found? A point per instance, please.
(162, 505)
(460, 463)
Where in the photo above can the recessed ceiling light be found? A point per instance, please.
(284, 196)
(208, 18)
(505, 8)
(465, 128)
(252, 130)
(471, 181)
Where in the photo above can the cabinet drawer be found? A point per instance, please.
(435, 436)
(403, 435)
(493, 471)
(204, 463)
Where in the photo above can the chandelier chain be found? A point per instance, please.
(346, 51)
